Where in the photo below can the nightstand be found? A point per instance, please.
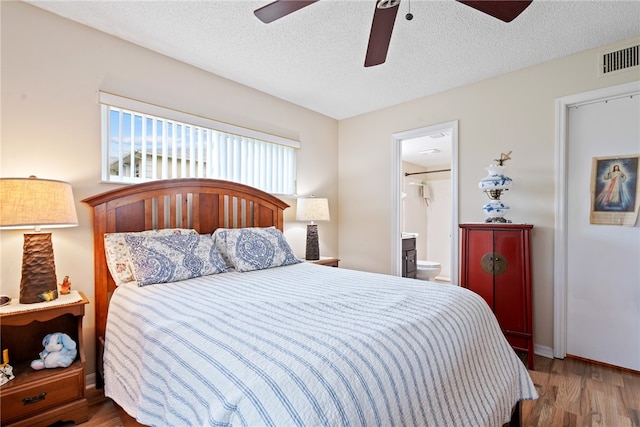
(328, 261)
(40, 398)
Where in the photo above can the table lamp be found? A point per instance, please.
(494, 184)
(312, 209)
(32, 203)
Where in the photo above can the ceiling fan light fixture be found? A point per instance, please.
(384, 18)
(387, 4)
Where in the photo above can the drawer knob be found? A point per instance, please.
(34, 399)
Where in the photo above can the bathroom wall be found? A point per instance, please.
(433, 221)
(439, 222)
(414, 209)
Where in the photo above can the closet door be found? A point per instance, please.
(603, 272)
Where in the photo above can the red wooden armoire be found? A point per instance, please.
(496, 264)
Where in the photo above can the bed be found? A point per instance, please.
(282, 343)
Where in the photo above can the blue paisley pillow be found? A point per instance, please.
(172, 258)
(248, 249)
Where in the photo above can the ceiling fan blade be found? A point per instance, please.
(380, 36)
(279, 9)
(504, 10)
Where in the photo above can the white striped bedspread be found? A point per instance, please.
(309, 345)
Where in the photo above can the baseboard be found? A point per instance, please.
(543, 350)
(90, 380)
(94, 395)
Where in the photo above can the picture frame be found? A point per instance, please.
(615, 194)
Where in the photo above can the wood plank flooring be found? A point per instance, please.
(578, 393)
(573, 393)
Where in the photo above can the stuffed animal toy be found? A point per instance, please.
(59, 352)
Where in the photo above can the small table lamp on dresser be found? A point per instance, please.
(312, 209)
(32, 203)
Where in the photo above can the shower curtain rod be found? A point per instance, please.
(420, 173)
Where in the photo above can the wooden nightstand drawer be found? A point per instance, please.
(40, 390)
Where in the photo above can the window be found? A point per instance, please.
(143, 142)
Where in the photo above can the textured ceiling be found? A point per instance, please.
(314, 57)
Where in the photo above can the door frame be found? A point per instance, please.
(396, 193)
(561, 224)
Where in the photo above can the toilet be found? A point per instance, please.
(427, 270)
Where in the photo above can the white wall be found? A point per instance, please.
(52, 69)
(510, 112)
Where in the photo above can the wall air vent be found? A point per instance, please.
(614, 61)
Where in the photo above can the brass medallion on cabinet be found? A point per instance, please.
(40, 398)
(496, 264)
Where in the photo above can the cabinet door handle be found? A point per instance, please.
(493, 263)
(34, 399)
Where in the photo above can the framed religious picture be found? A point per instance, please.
(615, 195)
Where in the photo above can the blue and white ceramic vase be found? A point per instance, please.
(495, 210)
(495, 180)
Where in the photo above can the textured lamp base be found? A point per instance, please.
(38, 269)
(313, 250)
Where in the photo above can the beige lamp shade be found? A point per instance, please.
(312, 209)
(37, 203)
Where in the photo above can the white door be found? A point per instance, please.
(603, 261)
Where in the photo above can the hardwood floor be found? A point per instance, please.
(572, 393)
(578, 393)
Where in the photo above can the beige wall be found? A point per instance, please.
(515, 112)
(52, 69)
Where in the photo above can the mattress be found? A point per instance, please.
(309, 345)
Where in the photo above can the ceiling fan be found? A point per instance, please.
(384, 18)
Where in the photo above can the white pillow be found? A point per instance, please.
(172, 258)
(256, 248)
(117, 253)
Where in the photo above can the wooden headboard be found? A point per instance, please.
(201, 204)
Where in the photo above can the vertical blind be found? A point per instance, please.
(139, 147)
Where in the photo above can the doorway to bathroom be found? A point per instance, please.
(425, 196)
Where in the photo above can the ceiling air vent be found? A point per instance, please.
(618, 60)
